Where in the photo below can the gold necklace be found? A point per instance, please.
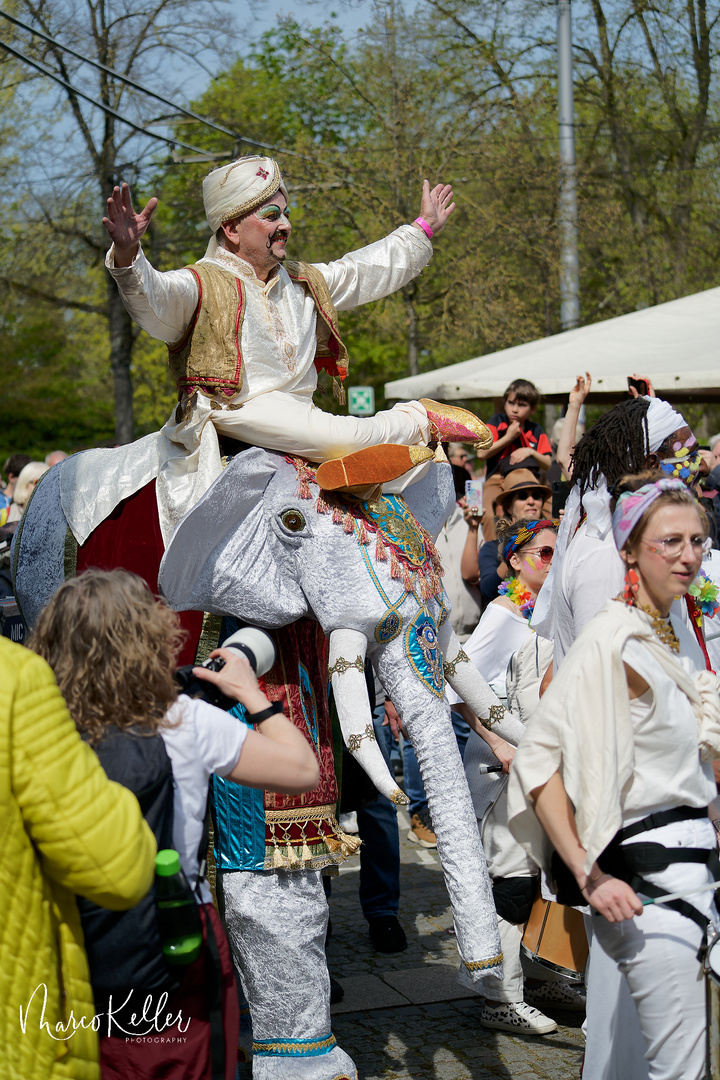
(662, 627)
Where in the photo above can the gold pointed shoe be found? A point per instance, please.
(451, 424)
(369, 467)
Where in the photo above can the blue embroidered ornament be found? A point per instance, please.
(423, 652)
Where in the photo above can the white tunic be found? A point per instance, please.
(278, 334)
(278, 343)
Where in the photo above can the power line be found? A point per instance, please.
(135, 86)
(98, 104)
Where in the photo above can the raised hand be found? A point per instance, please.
(581, 389)
(436, 206)
(124, 226)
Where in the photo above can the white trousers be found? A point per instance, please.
(656, 955)
(506, 858)
(294, 425)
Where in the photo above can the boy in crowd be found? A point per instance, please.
(517, 442)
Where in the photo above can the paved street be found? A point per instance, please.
(404, 1017)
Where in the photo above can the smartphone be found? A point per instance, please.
(474, 496)
(639, 384)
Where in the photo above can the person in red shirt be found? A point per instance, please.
(517, 441)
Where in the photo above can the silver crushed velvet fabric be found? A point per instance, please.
(429, 726)
(250, 564)
(276, 923)
(39, 547)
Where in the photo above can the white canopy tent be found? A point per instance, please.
(677, 345)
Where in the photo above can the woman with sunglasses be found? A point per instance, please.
(615, 774)
(527, 547)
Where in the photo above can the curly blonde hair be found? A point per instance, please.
(113, 648)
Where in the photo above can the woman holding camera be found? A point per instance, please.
(615, 774)
(113, 648)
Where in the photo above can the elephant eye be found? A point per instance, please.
(293, 520)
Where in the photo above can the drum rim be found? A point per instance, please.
(567, 973)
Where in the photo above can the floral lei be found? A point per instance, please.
(519, 595)
(705, 594)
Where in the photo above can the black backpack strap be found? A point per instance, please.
(656, 821)
(681, 906)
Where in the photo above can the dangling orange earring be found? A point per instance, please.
(632, 583)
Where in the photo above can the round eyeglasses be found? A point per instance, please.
(671, 547)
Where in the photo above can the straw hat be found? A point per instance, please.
(518, 481)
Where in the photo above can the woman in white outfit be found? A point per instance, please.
(527, 546)
(609, 774)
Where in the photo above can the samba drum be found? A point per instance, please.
(555, 938)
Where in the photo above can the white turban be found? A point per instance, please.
(662, 421)
(237, 188)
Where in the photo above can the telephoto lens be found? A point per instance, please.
(254, 643)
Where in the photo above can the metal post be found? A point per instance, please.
(567, 208)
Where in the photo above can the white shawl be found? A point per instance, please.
(582, 729)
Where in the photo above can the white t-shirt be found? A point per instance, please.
(206, 740)
(666, 768)
(496, 637)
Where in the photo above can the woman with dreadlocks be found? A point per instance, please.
(643, 433)
(587, 571)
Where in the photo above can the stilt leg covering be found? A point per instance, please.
(276, 922)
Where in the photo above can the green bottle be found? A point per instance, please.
(178, 915)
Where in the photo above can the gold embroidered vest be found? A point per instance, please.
(209, 355)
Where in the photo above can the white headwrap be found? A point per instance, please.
(662, 421)
(236, 189)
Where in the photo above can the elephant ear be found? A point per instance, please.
(222, 558)
(432, 499)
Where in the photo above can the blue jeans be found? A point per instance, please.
(380, 851)
(414, 787)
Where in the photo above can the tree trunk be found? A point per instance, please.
(121, 341)
(413, 333)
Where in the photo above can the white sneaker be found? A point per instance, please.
(558, 995)
(348, 822)
(516, 1016)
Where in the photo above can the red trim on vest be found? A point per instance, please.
(221, 386)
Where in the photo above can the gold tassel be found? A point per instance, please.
(349, 844)
(407, 578)
(292, 858)
(321, 505)
(278, 861)
(363, 533)
(332, 843)
(339, 390)
(395, 568)
(380, 549)
(348, 523)
(337, 516)
(306, 853)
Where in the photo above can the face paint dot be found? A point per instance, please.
(677, 446)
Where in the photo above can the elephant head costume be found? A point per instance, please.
(266, 546)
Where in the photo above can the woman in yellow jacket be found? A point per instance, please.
(66, 830)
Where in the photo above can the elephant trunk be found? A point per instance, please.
(428, 723)
(346, 669)
(468, 683)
